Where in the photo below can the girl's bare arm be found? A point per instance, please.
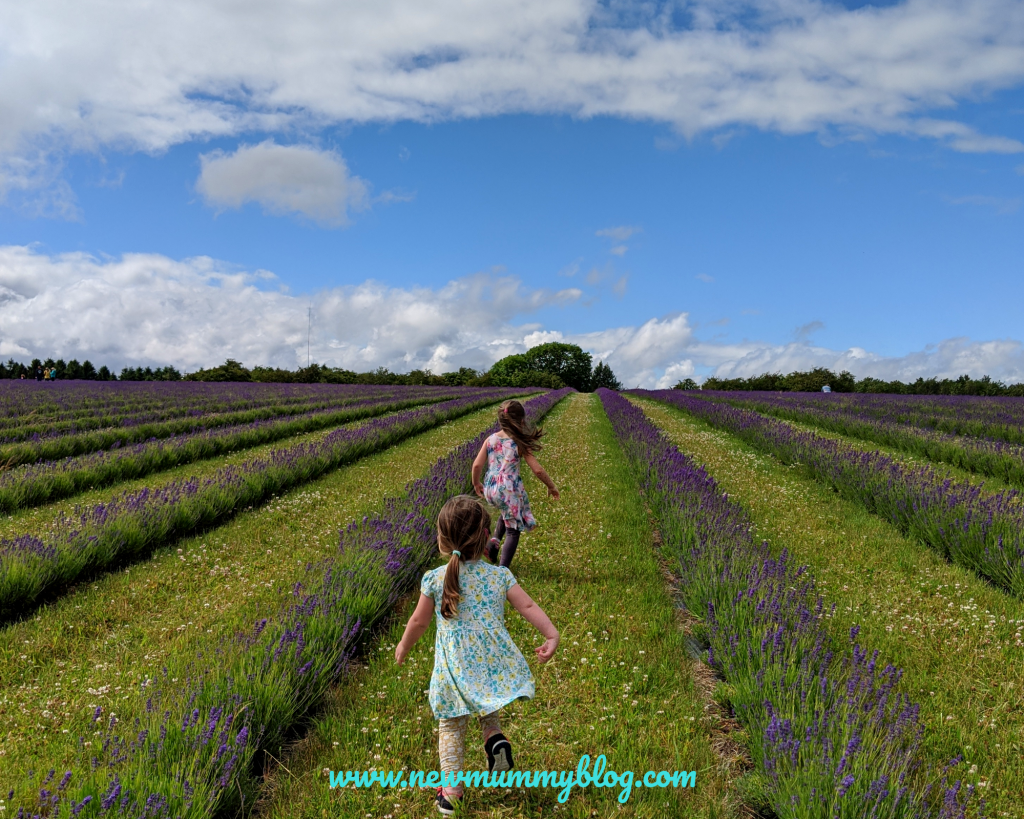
(542, 476)
(479, 464)
(415, 627)
(535, 616)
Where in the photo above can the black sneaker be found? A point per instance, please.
(443, 805)
(499, 754)
(493, 550)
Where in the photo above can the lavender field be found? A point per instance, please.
(196, 580)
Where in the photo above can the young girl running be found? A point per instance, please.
(478, 670)
(502, 486)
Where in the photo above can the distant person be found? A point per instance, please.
(39, 373)
(23, 376)
(502, 485)
(826, 388)
(478, 669)
(53, 374)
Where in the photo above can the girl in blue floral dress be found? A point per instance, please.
(478, 669)
(502, 485)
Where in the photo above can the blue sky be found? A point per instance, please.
(872, 222)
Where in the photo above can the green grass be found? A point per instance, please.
(621, 683)
(38, 519)
(116, 632)
(957, 639)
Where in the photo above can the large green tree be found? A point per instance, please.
(568, 361)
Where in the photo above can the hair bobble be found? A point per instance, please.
(456, 552)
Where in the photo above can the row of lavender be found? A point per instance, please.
(46, 481)
(981, 532)
(195, 751)
(29, 445)
(994, 418)
(134, 523)
(827, 726)
(984, 456)
(70, 399)
(86, 406)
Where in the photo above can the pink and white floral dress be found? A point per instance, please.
(503, 486)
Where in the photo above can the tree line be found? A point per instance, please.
(554, 365)
(85, 371)
(814, 380)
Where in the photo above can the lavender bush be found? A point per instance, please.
(48, 481)
(978, 531)
(136, 522)
(827, 725)
(46, 441)
(196, 751)
(984, 456)
(991, 418)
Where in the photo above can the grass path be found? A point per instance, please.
(93, 647)
(621, 683)
(957, 638)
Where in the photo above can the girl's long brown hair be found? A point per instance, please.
(512, 420)
(462, 526)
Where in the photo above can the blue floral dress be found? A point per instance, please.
(478, 669)
(503, 485)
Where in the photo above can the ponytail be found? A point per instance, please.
(462, 531)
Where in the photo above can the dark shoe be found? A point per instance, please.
(443, 805)
(493, 548)
(499, 754)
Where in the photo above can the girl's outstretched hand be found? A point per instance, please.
(478, 488)
(546, 651)
(401, 652)
(554, 493)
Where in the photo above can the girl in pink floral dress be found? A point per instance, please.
(502, 485)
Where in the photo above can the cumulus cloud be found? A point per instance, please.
(283, 179)
(1000, 204)
(153, 310)
(1003, 359)
(704, 277)
(618, 234)
(84, 74)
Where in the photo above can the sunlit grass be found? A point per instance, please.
(95, 646)
(957, 639)
(621, 683)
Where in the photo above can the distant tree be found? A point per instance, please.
(568, 361)
(687, 384)
(604, 377)
(230, 370)
(73, 370)
(104, 374)
(88, 370)
(505, 369)
(811, 381)
(463, 378)
(516, 371)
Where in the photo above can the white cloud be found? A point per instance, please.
(1003, 359)
(618, 234)
(999, 204)
(619, 250)
(704, 277)
(283, 179)
(149, 309)
(82, 75)
(805, 331)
